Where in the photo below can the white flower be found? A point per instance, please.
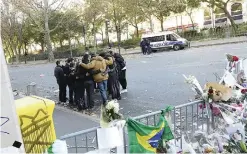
(110, 105)
(116, 107)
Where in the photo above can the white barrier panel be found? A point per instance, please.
(10, 129)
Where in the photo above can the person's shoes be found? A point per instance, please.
(123, 91)
(119, 98)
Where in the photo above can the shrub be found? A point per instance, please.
(131, 43)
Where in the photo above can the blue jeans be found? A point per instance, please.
(103, 90)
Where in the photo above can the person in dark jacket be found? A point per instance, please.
(143, 46)
(113, 83)
(59, 74)
(121, 69)
(147, 46)
(79, 87)
(88, 83)
(66, 75)
(71, 83)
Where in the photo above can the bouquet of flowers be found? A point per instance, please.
(232, 58)
(110, 112)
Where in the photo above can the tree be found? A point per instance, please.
(94, 15)
(40, 12)
(134, 14)
(163, 8)
(115, 12)
(10, 29)
(146, 8)
(190, 6)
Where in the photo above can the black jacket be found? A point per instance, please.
(59, 74)
(66, 69)
(83, 74)
(119, 61)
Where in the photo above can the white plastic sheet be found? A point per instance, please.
(229, 79)
(9, 150)
(109, 138)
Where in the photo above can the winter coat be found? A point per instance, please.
(59, 74)
(119, 61)
(99, 63)
(66, 69)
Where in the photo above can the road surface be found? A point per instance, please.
(153, 81)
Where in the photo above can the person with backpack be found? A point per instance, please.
(113, 83)
(121, 69)
(79, 87)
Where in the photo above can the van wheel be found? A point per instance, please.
(176, 47)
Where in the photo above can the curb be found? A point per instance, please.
(198, 46)
(94, 119)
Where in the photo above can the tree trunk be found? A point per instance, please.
(94, 38)
(151, 23)
(137, 29)
(229, 17)
(70, 49)
(47, 34)
(61, 43)
(26, 52)
(102, 35)
(192, 22)
(161, 23)
(17, 57)
(119, 40)
(107, 33)
(42, 46)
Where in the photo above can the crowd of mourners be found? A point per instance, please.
(105, 73)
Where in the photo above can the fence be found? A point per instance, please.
(186, 119)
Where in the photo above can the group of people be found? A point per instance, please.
(145, 46)
(104, 72)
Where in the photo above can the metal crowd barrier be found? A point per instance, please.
(186, 119)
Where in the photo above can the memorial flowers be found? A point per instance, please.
(110, 112)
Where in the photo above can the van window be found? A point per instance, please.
(156, 38)
(176, 35)
(170, 37)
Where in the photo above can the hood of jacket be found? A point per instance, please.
(99, 58)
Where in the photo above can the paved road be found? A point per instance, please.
(153, 81)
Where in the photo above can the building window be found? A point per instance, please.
(207, 14)
(236, 9)
(219, 13)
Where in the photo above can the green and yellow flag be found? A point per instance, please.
(146, 139)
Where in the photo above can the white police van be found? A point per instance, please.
(167, 39)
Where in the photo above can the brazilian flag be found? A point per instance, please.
(146, 139)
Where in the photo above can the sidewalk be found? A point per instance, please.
(197, 44)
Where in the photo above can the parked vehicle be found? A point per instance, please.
(167, 39)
